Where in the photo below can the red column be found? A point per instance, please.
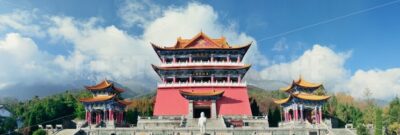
(295, 114)
(174, 79)
(90, 117)
(190, 58)
(239, 79)
(97, 118)
(105, 115)
(212, 57)
(238, 59)
(190, 79)
(228, 78)
(173, 59)
(286, 116)
(111, 115)
(212, 78)
(122, 116)
(316, 115)
(301, 112)
(320, 114)
(117, 117)
(163, 60)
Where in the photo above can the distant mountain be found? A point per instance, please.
(254, 78)
(135, 90)
(25, 92)
(267, 84)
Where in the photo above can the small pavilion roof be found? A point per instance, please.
(102, 86)
(98, 98)
(200, 41)
(201, 93)
(304, 96)
(302, 83)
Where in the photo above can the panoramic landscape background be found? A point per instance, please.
(49, 50)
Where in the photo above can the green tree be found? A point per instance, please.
(7, 124)
(362, 130)
(370, 114)
(393, 117)
(394, 128)
(378, 121)
(79, 111)
(255, 110)
(394, 111)
(274, 117)
(132, 116)
(39, 132)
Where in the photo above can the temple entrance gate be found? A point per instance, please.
(198, 109)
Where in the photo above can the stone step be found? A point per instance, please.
(342, 132)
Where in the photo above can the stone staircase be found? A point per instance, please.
(65, 132)
(211, 123)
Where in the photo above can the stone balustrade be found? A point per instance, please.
(202, 84)
(210, 131)
(202, 63)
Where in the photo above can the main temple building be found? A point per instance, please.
(201, 75)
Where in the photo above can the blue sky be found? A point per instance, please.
(358, 51)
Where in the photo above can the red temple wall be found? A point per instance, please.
(235, 101)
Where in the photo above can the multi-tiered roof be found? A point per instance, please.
(105, 92)
(202, 41)
(302, 90)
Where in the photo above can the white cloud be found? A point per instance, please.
(384, 84)
(23, 62)
(187, 21)
(101, 52)
(23, 22)
(138, 13)
(319, 64)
